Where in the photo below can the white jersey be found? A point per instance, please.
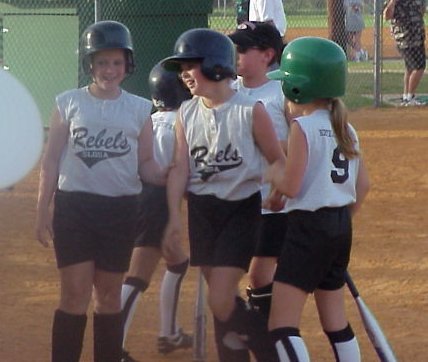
(164, 137)
(271, 95)
(224, 158)
(262, 10)
(330, 179)
(101, 155)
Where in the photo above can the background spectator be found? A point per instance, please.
(408, 30)
(354, 23)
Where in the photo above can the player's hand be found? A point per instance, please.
(275, 201)
(157, 177)
(273, 173)
(44, 231)
(162, 176)
(171, 238)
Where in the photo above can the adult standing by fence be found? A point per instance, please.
(262, 10)
(408, 30)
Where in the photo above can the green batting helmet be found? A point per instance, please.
(311, 68)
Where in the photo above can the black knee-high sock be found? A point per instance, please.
(67, 336)
(108, 335)
(229, 347)
(248, 322)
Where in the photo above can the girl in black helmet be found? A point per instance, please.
(167, 92)
(221, 137)
(100, 147)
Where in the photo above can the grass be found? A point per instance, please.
(391, 83)
(228, 21)
(361, 79)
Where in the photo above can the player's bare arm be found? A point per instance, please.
(265, 136)
(149, 169)
(57, 139)
(176, 186)
(271, 148)
(290, 181)
(362, 186)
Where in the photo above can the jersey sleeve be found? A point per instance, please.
(145, 110)
(63, 101)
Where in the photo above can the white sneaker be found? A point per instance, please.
(357, 57)
(413, 102)
(404, 100)
(363, 55)
(169, 344)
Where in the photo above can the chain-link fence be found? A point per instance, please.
(375, 74)
(39, 40)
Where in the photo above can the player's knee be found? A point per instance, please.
(75, 300)
(179, 268)
(221, 305)
(175, 256)
(107, 300)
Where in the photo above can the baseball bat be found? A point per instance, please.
(371, 325)
(199, 339)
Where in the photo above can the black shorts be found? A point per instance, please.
(316, 250)
(89, 227)
(223, 233)
(152, 216)
(414, 58)
(272, 235)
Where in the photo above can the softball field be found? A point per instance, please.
(389, 261)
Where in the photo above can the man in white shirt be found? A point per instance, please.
(264, 10)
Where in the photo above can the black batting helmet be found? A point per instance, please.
(214, 50)
(166, 89)
(104, 35)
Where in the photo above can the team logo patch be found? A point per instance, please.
(208, 165)
(92, 149)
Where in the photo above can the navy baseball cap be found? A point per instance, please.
(256, 34)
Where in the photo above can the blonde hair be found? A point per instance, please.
(339, 122)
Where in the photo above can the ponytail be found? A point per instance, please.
(339, 122)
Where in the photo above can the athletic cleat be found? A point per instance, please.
(169, 344)
(126, 357)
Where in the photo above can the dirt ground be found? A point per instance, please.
(389, 262)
